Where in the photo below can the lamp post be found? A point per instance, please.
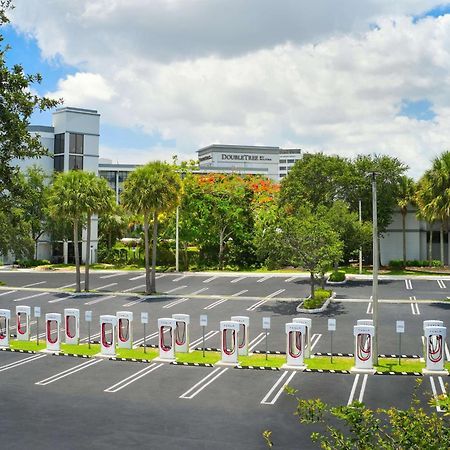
(375, 266)
(360, 248)
(177, 237)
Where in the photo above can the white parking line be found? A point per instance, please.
(210, 279)
(31, 296)
(261, 280)
(67, 372)
(447, 353)
(369, 308)
(203, 383)
(175, 289)
(199, 291)
(134, 288)
(101, 299)
(208, 335)
(106, 286)
(135, 302)
(27, 360)
(256, 341)
(148, 337)
(112, 275)
(137, 277)
(256, 305)
(175, 303)
(291, 279)
(435, 394)
(281, 379)
(408, 285)
(213, 305)
(354, 387)
(7, 292)
(70, 285)
(414, 306)
(93, 336)
(314, 341)
(240, 293)
(441, 284)
(60, 299)
(132, 378)
(274, 294)
(34, 284)
(179, 278)
(236, 280)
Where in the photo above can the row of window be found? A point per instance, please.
(289, 161)
(76, 147)
(110, 176)
(75, 163)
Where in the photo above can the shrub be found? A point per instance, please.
(337, 276)
(320, 295)
(26, 263)
(436, 263)
(396, 264)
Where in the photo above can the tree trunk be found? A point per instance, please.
(442, 242)
(221, 248)
(147, 256)
(87, 260)
(186, 258)
(404, 238)
(154, 245)
(430, 245)
(312, 284)
(77, 258)
(36, 248)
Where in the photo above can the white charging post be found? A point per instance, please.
(435, 344)
(52, 331)
(364, 346)
(182, 332)
(229, 331)
(243, 334)
(167, 345)
(88, 319)
(331, 329)
(144, 321)
(364, 322)
(295, 342)
(72, 326)
(37, 314)
(429, 323)
(400, 329)
(125, 329)
(23, 322)
(307, 335)
(203, 324)
(266, 328)
(5, 319)
(108, 324)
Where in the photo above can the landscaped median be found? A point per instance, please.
(273, 361)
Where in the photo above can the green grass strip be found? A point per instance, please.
(197, 357)
(27, 345)
(137, 353)
(260, 360)
(407, 365)
(324, 363)
(80, 349)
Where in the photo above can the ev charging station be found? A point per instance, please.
(364, 322)
(295, 348)
(434, 346)
(307, 335)
(5, 319)
(23, 314)
(125, 329)
(52, 331)
(166, 331)
(72, 326)
(364, 346)
(108, 326)
(229, 331)
(182, 332)
(243, 334)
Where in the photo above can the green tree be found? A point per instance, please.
(112, 225)
(405, 197)
(151, 190)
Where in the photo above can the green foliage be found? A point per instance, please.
(26, 263)
(398, 263)
(320, 296)
(337, 276)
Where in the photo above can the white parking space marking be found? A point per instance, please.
(93, 336)
(7, 292)
(435, 391)
(138, 277)
(236, 280)
(314, 341)
(70, 285)
(256, 305)
(28, 297)
(210, 279)
(285, 378)
(101, 299)
(414, 306)
(203, 383)
(213, 305)
(447, 353)
(60, 299)
(34, 284)
(148, 337)
(132, 378)
(256, 341)
(175, 289)
(354, 387)
(67, 372)
(140, 286)
(261, 280)
(27, 360)
(199, 291)
(175, 303)
(408, 285)
(274, 294)
(106, 286)
(441, 284)
(135, 302)
(291, 279)
(112, 275)
(210, 334)
(369, 308)
(179, 278)
(240, 293)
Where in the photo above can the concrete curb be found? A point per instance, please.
(317, 310)
(176, 363)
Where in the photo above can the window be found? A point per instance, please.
(58, 146)
(110, 176)
(282, 161)
(282, 167)
(291, 161)
(123, 176)
(58, 163)
(75, 162)
(76, 143)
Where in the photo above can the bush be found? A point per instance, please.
(397, 264)
(422, 263)
(320, 295)
(337, 276)
(436, 263)
(26, 263)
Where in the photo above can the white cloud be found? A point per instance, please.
(301, 74)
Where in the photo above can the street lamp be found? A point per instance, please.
(177, 238)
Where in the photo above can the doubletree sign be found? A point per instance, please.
(235, 157)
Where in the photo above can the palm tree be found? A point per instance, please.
(100, 199)
(68, 198)
(150, 190)
(405, 197)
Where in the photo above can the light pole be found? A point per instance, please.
(375, 266)
(360, 248)
(177, 237)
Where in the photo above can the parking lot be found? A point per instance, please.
(99, 403)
